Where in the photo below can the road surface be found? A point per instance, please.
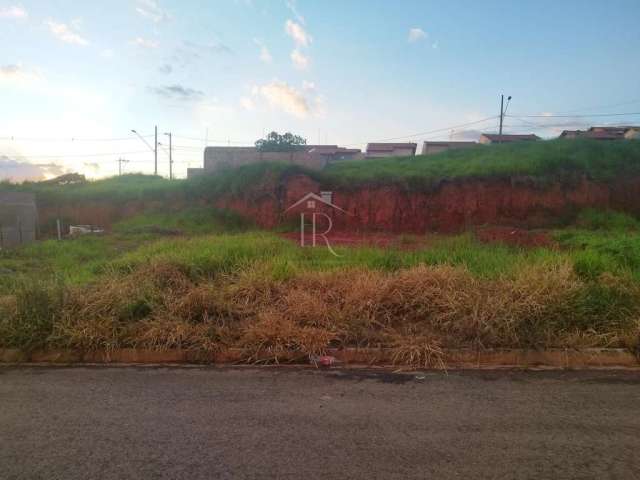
(290, 423)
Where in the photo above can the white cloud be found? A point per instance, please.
(416, 34)
(282, 96)
(300, 61)
(297, 33)
(65, 33)
(17, 74)
(14, 11)
(306, 85)
(265, 55)
(152, 10)
(291, 5)
(144, 43)
(18, 170)
(247, 103)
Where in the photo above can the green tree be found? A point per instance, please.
(274, 142)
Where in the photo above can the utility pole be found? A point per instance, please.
(155, 152)
(170, 157)
(503, 111)
(120, 162)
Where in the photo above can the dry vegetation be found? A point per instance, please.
(419, 311)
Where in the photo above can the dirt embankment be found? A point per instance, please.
(450, 207)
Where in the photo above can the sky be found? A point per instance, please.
(77, 77)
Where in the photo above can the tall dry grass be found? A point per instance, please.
(419, 312)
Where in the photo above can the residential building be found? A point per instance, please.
(431, 148)
(604, 133)
(310, 156)
(632, 133)
(489, 138)
(391, 149)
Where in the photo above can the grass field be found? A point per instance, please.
(207, 280)
(168, 282)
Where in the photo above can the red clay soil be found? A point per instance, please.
(452, 207)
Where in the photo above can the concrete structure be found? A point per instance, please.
(391, 149)
(431, 148)
(315, 157)
(604, 133)
(18, 219)
(489, 138)
(632, 133)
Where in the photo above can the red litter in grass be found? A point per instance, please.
(323, 360)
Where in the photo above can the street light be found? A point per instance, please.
(503, 111)
(170, 157)
(154, 150)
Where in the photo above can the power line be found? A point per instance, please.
(575, 116)
(115, 154)
(631, 102)
(70, 139)
(427, 132)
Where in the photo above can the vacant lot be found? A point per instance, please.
(181, 274)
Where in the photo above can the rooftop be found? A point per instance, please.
(494, 137)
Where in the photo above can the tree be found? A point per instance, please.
(274, 142)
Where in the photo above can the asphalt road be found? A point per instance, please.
(204, 423)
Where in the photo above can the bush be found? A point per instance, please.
(29, 315)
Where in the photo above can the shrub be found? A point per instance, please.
(29, 315)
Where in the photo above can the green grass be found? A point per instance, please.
(189, 221)
(601, 300)
(225, 254)
(551, 159)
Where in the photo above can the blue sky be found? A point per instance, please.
(339, 72)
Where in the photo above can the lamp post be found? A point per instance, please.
(170, 157)
(154, 150)
(503, 111)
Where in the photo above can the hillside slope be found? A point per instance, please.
(527, 184)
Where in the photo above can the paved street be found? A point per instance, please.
(197, 423)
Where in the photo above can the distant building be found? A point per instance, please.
(604, 133)
(391, 149)
(18, 218)
(632, 133)
(489, 138)
(572, 133)
(431, 148)
(315, 157)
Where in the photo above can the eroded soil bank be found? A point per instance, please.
(449, 207)
(445, 207)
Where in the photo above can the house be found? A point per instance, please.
(604, 133)
(18, 218)
(315, 157)
(572, 133)
(431, 148)
(632, 133)
(391, 149)
(489, 138)
(333, 153)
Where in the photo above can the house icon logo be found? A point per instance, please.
(310, 204)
